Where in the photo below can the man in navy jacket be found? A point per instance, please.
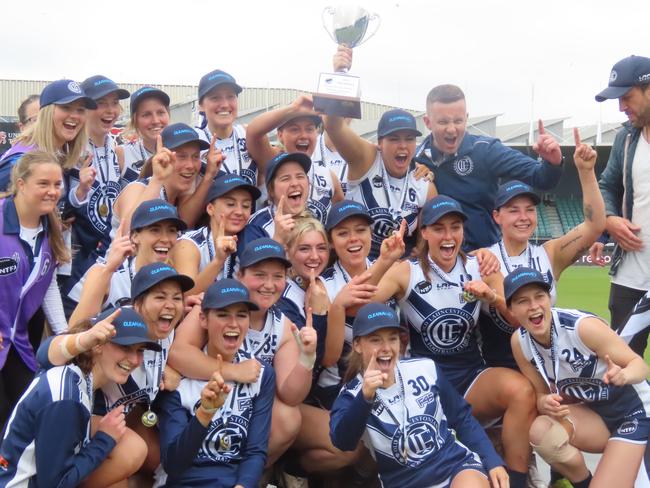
(469, 167)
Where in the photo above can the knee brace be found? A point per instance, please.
(554, 446)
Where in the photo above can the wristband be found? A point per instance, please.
(495, 297)
(307, 360)
(209, 411)
(64, 348)
(77, 344)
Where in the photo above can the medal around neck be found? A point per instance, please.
(339, 93)
(469, 297)
(149, 418)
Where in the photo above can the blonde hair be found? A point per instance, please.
(42, 135)
(304, 224)
(22, 170)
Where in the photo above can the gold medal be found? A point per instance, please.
(469, 297)
(224, 444)
(149, 419)
(103, 210)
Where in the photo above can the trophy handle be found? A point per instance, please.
(374, 21)
(328, 14)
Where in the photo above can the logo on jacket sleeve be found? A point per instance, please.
(463, 166)
(9, 265)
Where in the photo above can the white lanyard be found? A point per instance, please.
(539, 361)
(506, 258)
(405, 416)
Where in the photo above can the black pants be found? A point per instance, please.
(15, 377)
(621, 303)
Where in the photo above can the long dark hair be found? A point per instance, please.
(422, 251)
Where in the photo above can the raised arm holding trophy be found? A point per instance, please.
(339, 93)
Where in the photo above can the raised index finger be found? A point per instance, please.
(221, 228)
(402, 228)
(576, 136)
(213, 142)
(219, 364)
(113, 316)
(540, 127)
(159, 143)
(309, 321)
(280, 210)
(373, 360)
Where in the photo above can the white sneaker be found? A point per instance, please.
(535, 479)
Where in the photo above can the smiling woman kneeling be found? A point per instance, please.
(405, 410)
(213, 433)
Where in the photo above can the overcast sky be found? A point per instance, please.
(500, 52)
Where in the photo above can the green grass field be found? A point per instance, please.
(587, 288)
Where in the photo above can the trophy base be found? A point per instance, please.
(337, 105)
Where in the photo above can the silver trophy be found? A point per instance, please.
(339, 93)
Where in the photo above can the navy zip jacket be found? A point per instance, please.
(472, 176)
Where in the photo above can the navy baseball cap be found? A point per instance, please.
(315, 118)
(216, 78)
(175, 135)
(513, 189)
(152, 274)
(61, 92)
(226, 292)
(129, 328)
(263, 249)
(273, 165)
(372, 317)
(99, 86)
(229, 182)
(438, 207)
(396, 120)
(627, 73)
(148, 92)
(521, 277)
(344, 210)
(151, 212)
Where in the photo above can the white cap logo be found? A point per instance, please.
(613, 75)
(644, 78)
(74, 87)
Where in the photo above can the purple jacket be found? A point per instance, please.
(24, 279)
(9, 159)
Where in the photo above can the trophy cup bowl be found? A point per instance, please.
(339, 93)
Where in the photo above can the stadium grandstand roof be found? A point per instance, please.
(255, 100)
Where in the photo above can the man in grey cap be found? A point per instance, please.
(625, 185)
